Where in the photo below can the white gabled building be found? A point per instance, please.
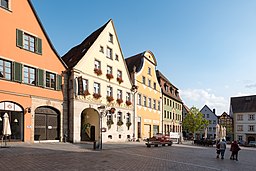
(98, 77)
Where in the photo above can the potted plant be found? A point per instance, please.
(119, 123)
(110, 99)
(109, 76)
(119, 101)
(128, 124)
(86, 93)
(112, 110)
(119, 80)
(96, 95)
(109, 123)
(97, 71)
(128, 102)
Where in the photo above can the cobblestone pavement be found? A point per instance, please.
(125, 156)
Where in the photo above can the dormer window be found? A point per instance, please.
(110, 38)
(166, 87)
(101, 49)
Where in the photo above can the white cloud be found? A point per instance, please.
(253, 85)
(201, 97)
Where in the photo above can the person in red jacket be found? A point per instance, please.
(234, 149)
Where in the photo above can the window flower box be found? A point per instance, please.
(109, 76)
(109, 123)
(128, 124)
(119, 80)
(86, 93)
(110, 99)
(112, 110)
(119, 123)
(128, 102)
(97, 71)
(119, 101)
(96, 95)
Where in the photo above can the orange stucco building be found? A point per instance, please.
(30, 76)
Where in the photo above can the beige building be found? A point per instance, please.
(142, 68)
(99, 85)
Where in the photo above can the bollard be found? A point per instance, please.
(94, 145)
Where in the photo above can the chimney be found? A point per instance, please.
(213, 111)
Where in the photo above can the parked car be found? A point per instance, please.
(252, 144)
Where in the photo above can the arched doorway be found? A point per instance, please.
(16, 119)
(90, 126)
(47, 123)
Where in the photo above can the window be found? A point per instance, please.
(30, 75)
(149, 103)
(210, 122)
(149, 71)
(96, 87)
(139, 99)
(159, 105)
(239, 127)
(251, 117)
(109, 91)
(143, 80)
(239, 117)
(109, 53)
(154, 86)
(119, 94)
(128, 96)
(97, 64)
(128, 117)
(110, 38)
(5, 69)
(207, 115)
(119, 74)
(50, 80)
(109, 115)
(250, 127)
(117, 59)
(240, 138)
(28, 42)
(164, 113)
(165, 87)
(101, 49)
(5, 4)
(85, 84)
(109, 70)
(119, 116)
(214, 122)
(149, 82)
(154, 104)
(144, 101)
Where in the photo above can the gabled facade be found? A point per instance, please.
(142, 68)
(226, 121)
(243, 111)
(30, 75)
(210, 115)
(100, 99)
(172, 106)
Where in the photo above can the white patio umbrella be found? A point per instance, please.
(217, 132)
(6, 126)
(224, 132)
(205, 133)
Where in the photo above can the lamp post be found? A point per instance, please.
(134, 90)
(102, 110)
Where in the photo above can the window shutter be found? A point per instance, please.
(59, 82)
(39, 46)
(80, 86)
(17, 76)
(40, 76)
(19, 38)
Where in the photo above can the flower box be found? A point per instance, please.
(119, 101)
(112, 110)
(119, 123)
(97, 71)
(96, 95)
(128, 102)
(86, 93)
(119, 80)
(109, 76)
(128, 124)
(110, 99)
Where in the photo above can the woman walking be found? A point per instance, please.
(234, 149)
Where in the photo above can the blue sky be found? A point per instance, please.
(205, 48)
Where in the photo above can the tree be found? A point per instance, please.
(194, 121)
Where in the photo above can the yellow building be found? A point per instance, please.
(142, 68)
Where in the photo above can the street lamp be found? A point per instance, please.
(134, 90)
(102, 109)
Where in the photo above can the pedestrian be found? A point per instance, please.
(218, 149)
(222, 148)
(234, 149)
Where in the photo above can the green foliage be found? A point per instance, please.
(194, 121)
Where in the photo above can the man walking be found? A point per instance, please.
(222, 148)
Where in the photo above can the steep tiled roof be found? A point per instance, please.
(73, 56)
(243, 104)
(136, 60)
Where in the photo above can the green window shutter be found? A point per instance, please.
(80, 86)
(17, 75)
(59, 82)
(40, 77)
(39, 46)
(19, 38)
